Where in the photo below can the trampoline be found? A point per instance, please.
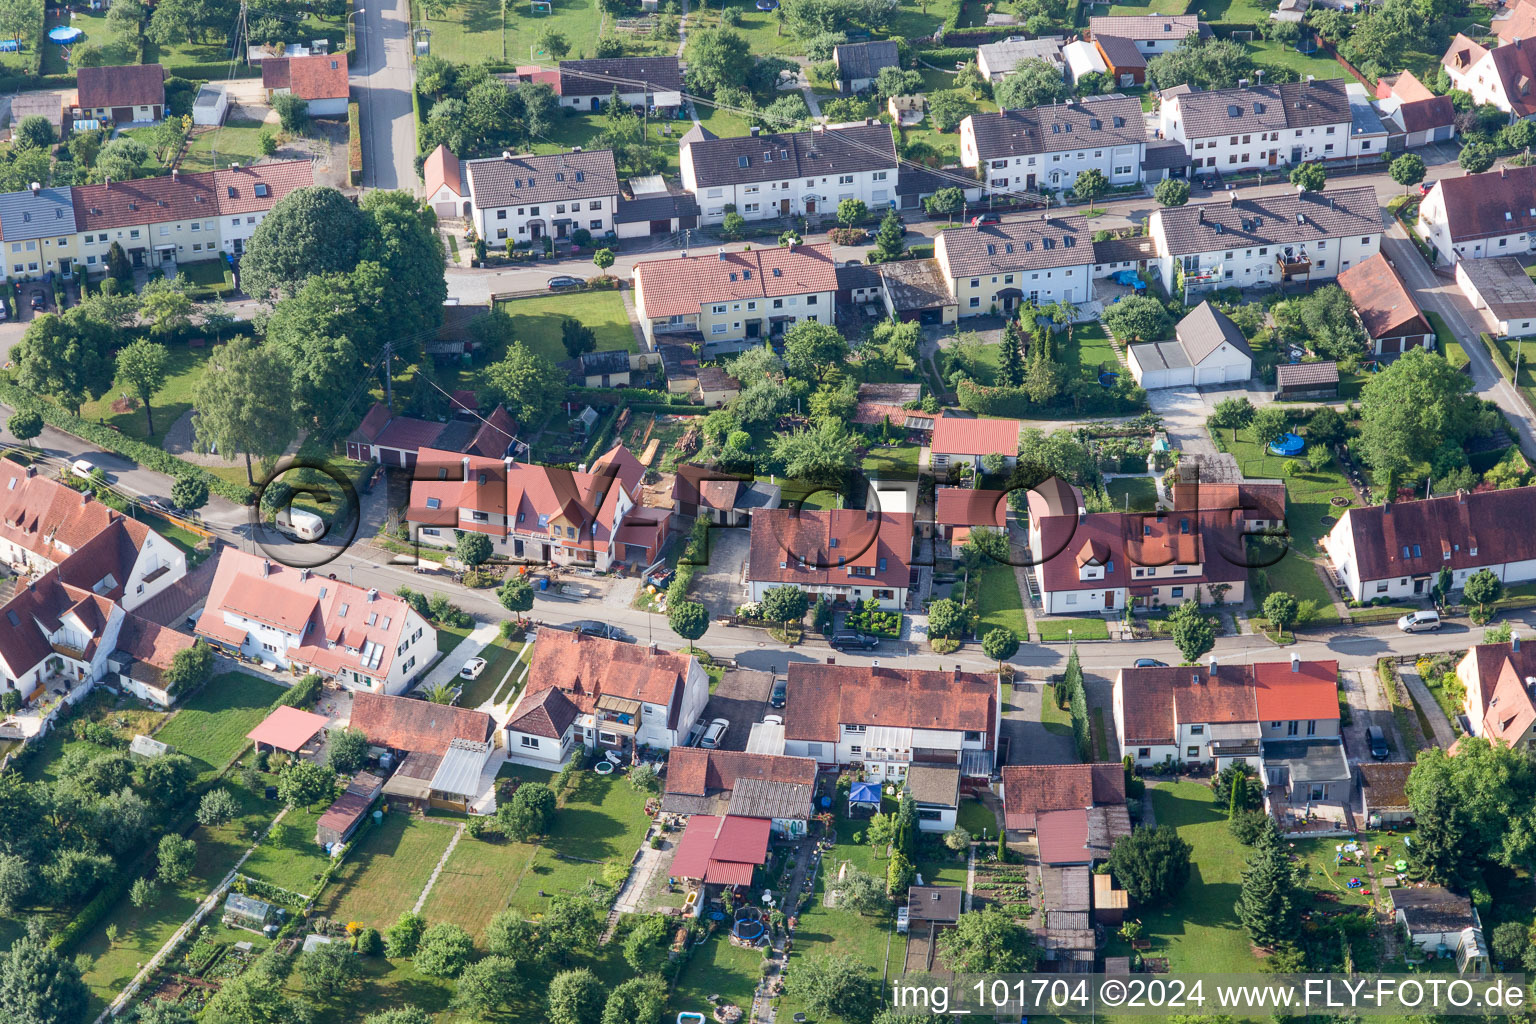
(65, 34)
(749, 924)
(1108, 378)
(1288, 444)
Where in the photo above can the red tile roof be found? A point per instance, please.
(1520, 24)
(1385, 306)
(319, 76)
(50, 520)
(697, 772)
(677, 287)
(1156, 700)
(1029, 790)
(825, 547)
(823, 697)
(40, 609)
(1510, 713)
(1255, 499)
(1425, 115)
(441, 168)
(417, 726)
(129, 85)
(585, 668)
(1446, 531)
(1404, 86)
(1063, 837)
(721, 850)
(1213, 542)
(287, 728)
(151, 643)
(547, 713)
(963, 506)
(956, 435)
(175, 196)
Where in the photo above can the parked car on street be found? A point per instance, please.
(82, 468)
(1419, 622)
(38, 302)
(563, 283)
(985, 218)
(1150, 663)
(849, 641)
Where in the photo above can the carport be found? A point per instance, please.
(917, 290)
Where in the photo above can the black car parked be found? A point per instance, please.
(854, 642)
(780, 695)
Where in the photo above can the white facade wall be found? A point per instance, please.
(1247, 150)
(945, 822)
(769, 198)
(889, 599)
(977, 296)
(1247, 265)
(415, 651)
(336, 106)
(1053, 171)
(1482, 81)
(1435, 227)
(499, 225)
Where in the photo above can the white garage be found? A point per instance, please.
(1207, 349)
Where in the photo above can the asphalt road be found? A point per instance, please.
(382, 80)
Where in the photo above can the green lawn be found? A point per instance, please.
(449, 637)
(473, 31)
(290, 857)
(118, 46)
(1053, 628)
(127, 716)
(1445, 341)
(898, 463)
(1133, 493)
(183, 369)
(200, 62)
(233, 142)
(717, 968)
(537, 321)
(478, 881)
(500, 659)
(1283, 55)
(1090, 345)
(998, 601)
(210, 728)
(1512, 350)
(386, 871)
(974, 817)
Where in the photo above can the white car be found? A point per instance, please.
(1419, 622)
(773, 719)
(714, 734)
(82, 469)
(472, 668)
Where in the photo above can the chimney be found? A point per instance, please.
(653, 648)
(175, 174)
(683, 255)
(720, 252)
(575, 149)
(831, 661)
(1231, 199)
(1310, 79)
(373, 595)
(756, 131)
(266, 568)
(1242, 83)
(1082, 514)
(303, 575)
(1295, 662)
(1201, 214)
(1386, 508)
(31, 472)
(36, 188)
(1503, 172)
(506, 154)
(108, 183)
(1514, 642)
(1461, 495)
(1195, 678)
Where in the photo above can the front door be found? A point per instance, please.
(810, 206)
(1295, 154)
(1274, 157)
(1029, 182)
(1109, 599)
(1418, 585)
(784, 207)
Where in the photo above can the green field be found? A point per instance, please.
(899, 463)
(537, 321)
(183, 369)
(473, 31)
(290, 857)
(1133, 493)
(998, 602)
(387, 869)
(233, 142)
(210, 728)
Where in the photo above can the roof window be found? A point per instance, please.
(261, 190)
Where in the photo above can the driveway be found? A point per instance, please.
(719, 585)
(741, 699)
(1368, 707)
(1031, 741)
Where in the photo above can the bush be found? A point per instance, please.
(301, 694)
(370, 942)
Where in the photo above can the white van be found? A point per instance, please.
(1419, 622)
(302, 525)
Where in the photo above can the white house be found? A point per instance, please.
(1397, 550)
(1478, 215)
(1504, 76)
(1207, 348)
(765, 176)
(1045, 148)
(935, 791)
(848, 555)
(624, 696)
(1259, 127)
(646, 82)
(320, 80)
(447, 194)
(1249, 242)
(996, 267)
(298, 619)
(1500, 288)
(892, 719)
(523, 198)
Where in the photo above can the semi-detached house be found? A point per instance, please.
(1480, 215)
(996, 267)
(521, 198)
(1262, 127)
(888, 720)
(765, 176)
(1504, 76)
(1045, 148)
(729, 301)
(1266, 240)
(1500, 696)
(848, 555)
(1397, 550)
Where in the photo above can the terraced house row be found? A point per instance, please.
(158, 222)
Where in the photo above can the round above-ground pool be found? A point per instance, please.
(1108, 378)
(767, 5)
(603, 767)
(1288, 444)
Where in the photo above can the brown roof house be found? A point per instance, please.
(892, 719)
(447, 193)
(1504, 76)
(729, 782)
(936, 792)
(1030, 791)
(1442, 924)
(1477, 215)
(542, 730)
(128, 94)
(1318, 380)
(1397, 550)
(725, 499)
(1387, 311)
(320, 80)
(1409, 108)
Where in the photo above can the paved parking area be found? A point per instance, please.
(720, 585)
(741, 699)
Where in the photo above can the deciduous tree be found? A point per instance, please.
(987, 941)
(243, 403)
(141, 368)
(576, 997)
(310, 231)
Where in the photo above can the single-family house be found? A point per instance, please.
(791, 173)
(405, 725)
(1410, 109)
(722, 782)
(320, 80)
(727, 500)
(960, 441)
(127, 94)
(447, 194)
(1441, 924)
(1266, 240)
(890, 720)
(1479, 215)
(523, 198)
(1503, 75)
(1397, 550)
(1151, 34)
(1044, 149)
(995, 268)
(895, 404)
(1386, 309)
(717, 850)
(542, 729)
(959, 510)
(859, 64)
(734, 300)
(935, 790)
(1499, 704)
(1281, 719)
(1517, 21)
(299, 620)
(1502, 290)
(716, 386)
(625, 695)
(1259, 127)
(1384, 793)
(1207, 349)
(144, 654)
(998, 60)
(607, 369)
(848, 555)
(650, 83)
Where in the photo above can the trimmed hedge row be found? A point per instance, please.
(146, 455)
(354, 144)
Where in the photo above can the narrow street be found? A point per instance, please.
(382, 82)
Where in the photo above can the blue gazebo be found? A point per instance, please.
(863, 799)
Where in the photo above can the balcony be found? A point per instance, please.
(618, 714)
(1293, 266)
